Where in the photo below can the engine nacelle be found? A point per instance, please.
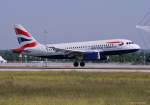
(94, 56)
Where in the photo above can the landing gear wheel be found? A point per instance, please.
(82, 64)
(75, 64)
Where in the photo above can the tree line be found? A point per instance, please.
(141, 57)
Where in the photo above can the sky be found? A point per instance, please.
(57, 21)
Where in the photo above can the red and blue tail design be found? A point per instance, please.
(25, 39)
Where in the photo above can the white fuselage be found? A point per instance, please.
(103, 46)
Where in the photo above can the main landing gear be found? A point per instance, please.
(76, 64)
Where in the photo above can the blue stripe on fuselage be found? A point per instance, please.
(20, 40)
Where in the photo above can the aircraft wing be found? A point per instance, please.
(73, 53)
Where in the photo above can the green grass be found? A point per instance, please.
(74, 88)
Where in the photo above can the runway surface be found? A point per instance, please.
(90, 67)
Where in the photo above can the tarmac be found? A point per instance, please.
(90, 67)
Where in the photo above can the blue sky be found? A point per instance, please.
(56, 21)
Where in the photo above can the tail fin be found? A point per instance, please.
(23, 36)
(25, 39)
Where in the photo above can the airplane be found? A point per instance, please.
(2, 60)
(80, 52)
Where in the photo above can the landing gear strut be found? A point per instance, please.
(76, 64)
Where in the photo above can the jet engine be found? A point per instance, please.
(94, 56)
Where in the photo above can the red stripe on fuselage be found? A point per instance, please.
(19, 31)
(20, 50)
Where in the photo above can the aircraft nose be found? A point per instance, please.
(137, 47)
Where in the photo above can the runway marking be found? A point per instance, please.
(85, 69)
(90, 67)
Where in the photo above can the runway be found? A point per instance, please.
(90, 67)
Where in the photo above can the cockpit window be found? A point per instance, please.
(130, 43)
